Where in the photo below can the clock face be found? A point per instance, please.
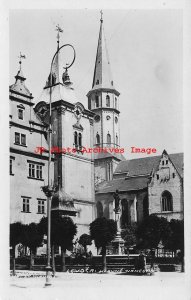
(108, 117)
(78, 112)
(97, 118)
(43, 111)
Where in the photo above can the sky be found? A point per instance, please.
(146, 56)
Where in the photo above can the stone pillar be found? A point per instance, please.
(118, 242)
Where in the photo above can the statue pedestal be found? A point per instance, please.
(118, 242)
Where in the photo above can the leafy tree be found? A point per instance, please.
(63, 231)
(176, 242)
(32, 238)
(16, 232)
(85, 240)
(103, 231)
(129, 235)
(153, 230)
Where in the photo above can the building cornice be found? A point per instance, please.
(31, 129)
(13, 98)
(29, 154)
(100, 89)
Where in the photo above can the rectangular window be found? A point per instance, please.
(163, 162)
(20, 139)
(26, 205)
(40, 206)
(23, 139)
(35, 171)
(31, 170)
(166, 162)
(20, 114)
(17, 138)
(38, 171)
(157, 176)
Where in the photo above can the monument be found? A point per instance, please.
(118, 242)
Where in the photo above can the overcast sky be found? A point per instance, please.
(145, 49)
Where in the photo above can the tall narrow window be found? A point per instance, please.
(99, 207)
(117, 141)
(41, 207)
(107, 101)
(80, 140)
(32, 170)
(97, 138)
(20, 113)
(23, 139)
(166, 201)
(11, 166)
(96, 101)
(75, 139)
(39, 171)
(26, 205)
(108, 138)
(115, 103)
(17, 138)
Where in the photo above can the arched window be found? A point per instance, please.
(80, 140)
(166, 201)
(108, 138)
(117, 140)
(99, 207)
(124, 213)
(97, 138)
(107, 101)
(96, 101)
(115, 102)
(75, 139)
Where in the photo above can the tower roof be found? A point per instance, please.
(102, 71)
(19, 85)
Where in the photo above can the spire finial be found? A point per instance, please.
(101, 12)
(58, 29)
(21, 56)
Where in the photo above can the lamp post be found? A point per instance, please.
(48, 190)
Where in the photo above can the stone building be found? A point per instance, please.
(87, 180)
(71, 169)
(149, 185)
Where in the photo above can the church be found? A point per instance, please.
(84, 182)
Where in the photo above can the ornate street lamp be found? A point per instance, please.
(48, 190)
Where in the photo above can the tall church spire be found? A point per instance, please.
(103, 100)
(102, 73)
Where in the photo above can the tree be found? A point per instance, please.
(32, 238)
(129, 235)
(103, 231)
(85, 240)
(176, 242)
(16, 232)
(153, 230)
(63, 231)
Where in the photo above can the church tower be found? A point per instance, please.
(103, 100)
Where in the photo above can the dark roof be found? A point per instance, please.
(145, 165)
(123, 184)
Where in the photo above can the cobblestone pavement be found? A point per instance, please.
(100, 286)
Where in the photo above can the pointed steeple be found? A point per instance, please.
(102, 71)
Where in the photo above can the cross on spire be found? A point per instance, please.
(101, 12)
(21, 56)
(58, 29)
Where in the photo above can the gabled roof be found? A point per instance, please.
(145, 165)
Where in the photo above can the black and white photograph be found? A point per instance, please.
(96, 202)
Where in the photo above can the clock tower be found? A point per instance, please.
(103, 100)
